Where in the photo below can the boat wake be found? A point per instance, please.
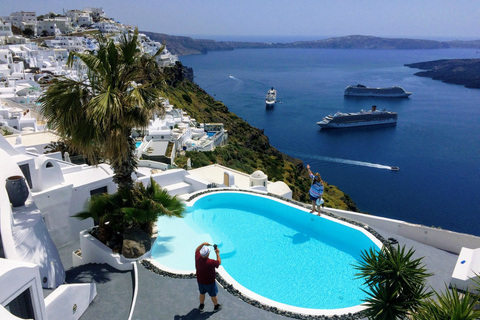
(239, 82)
(339, 160)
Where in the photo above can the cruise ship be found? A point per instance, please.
(362, 91)
(358, 119)
(271, 98)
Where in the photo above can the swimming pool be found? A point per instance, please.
(280, 251)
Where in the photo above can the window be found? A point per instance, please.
(26, 172)
(2, 253)
(100, 190)
(22, 306)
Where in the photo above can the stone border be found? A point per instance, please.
(230, 289)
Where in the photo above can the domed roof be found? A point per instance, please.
(258, 175)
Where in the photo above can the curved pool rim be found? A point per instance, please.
(248, 294)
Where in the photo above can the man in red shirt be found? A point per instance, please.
(206, 275)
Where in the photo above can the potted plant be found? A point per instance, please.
(130, 212)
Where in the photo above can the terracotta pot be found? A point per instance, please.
(17, 190)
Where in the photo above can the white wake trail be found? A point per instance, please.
(338, 160)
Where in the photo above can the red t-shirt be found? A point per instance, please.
(205, 269)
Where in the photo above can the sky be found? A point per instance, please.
(426, 19)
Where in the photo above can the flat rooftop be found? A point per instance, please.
(216, 173)
(33, 139)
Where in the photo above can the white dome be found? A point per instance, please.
(258, 175)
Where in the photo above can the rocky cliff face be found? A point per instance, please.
(186, 45)
(457, 71)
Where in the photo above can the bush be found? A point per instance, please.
(125, 209)
(187, 98)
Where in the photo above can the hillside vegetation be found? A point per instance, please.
(248, 148)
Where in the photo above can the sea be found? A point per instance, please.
(435, 143)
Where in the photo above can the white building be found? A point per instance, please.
(166, 59)
(79, 17)
(15, 119)
(23, 19)
(5, 32)
(106, 26)
(96, 12)
(70, 43)
(55, 26)
(177, 131)
(84, 19)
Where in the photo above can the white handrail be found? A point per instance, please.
(135, 290)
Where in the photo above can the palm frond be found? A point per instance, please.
(450, 305)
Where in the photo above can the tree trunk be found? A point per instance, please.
(124, 169)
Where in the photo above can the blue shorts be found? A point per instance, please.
(211, 289)
(313, 198)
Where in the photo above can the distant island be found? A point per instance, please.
(465, 72)
(181, 46)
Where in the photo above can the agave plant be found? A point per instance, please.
(450, 305)
(139, 207)
(396, 280)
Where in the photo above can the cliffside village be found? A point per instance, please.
(30, 61)
(40, 241)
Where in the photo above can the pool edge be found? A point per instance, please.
(236, 289)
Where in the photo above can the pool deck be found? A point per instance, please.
(161, 297)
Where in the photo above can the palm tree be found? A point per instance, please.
(121, 90)
(397, 282)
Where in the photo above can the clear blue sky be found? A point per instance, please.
(428, 19)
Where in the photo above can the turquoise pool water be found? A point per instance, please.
(282, 252)
(137, 144)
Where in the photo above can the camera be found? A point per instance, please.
(214, 247)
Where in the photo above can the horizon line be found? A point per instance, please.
(275, 38)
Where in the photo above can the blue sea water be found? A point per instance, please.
(436, 142)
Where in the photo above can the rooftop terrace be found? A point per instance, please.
(163, 297)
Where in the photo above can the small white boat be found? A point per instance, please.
(271, 98)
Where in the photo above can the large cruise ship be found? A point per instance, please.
(362, 91)
(357, 119)
(271, 98)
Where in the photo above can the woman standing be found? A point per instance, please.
(316, 190)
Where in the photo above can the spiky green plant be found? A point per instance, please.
(139, 207)
(396, 280)
(450, 305)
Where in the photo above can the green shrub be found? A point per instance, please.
(187, 98)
